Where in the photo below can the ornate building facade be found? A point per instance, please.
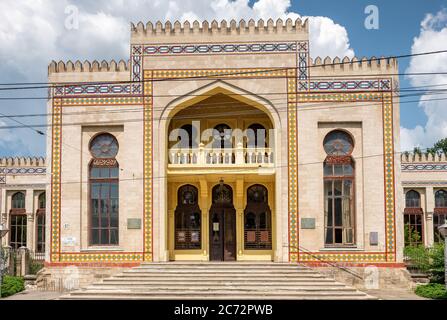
(224, 142)
(23, 185)
(424, 182)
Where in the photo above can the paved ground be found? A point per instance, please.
(35, 295)
(398, 294)
(381, 294)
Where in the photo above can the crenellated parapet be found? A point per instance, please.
(423, 158)
(251, 27)
(373, 64)
(87, 66)
(23, 162)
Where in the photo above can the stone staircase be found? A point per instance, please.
(214, 281)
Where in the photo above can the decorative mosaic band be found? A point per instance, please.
(23, 171)
(293, 166)
(351, 85)
(79, 102)
(220, 73)
(424, 167)
(303, 66)
(338, 97)
(56, 179)
(219, 48)
(100, 257)
(2, 180)
(388, 151)
(361, 257)
(96, 90)
(148, 166)
(137, 68)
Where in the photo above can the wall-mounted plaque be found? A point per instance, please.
(307, 223)
(133, 224)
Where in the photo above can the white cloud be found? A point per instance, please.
(33, 32)
(432, 37)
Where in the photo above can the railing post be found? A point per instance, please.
(8, 260)
(24, 261)
(240, 153)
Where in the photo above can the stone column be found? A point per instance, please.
(24, 257)
(429, 209)
(240, 217)
(203, 204)
(29, 206)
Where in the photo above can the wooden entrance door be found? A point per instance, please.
(222, 225)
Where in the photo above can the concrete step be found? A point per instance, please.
(235, 281)
(219, 287)
(231, 295)
(193, 282)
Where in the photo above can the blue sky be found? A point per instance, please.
(33, 32)
(400, 22)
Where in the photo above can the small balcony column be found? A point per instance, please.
(240, 153)
(430, 208)
(202, 155)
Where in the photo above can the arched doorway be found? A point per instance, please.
(222, 224)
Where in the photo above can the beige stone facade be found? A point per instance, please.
(236, 74)
(424, 179)
(23, 184)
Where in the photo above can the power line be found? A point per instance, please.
(230, 170)
(281, 105)
(215, 77)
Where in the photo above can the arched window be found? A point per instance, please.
(188, 219)
(188, 137)
(40, 223)
(222, 135)
(256, 136)
(413, 219)
(440, 214)
(339, 184)
(18, 201)
(257, 220)
(413, 199)
(104, 191)
(18, 221)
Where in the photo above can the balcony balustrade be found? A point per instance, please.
(205, 157)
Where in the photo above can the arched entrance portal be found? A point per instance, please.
(205, 143)
(222, 224)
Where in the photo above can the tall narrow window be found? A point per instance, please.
(440, 214)
(339, 183)
(222, 137)
(104, 191)
(18, 221)
(258, 220)
(413, 219)
(188, 221)
(40, 224)
(256, 136)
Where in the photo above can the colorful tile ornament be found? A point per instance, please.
(56, 179)
(293, 166)
(218, 48)
(148, 165)
(388, 138)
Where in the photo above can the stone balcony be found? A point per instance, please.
(212, 158)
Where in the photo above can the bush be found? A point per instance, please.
(35, 267)
(432, 291)
(427, 260)
(437, 268)
(12, 285)
(419, 258)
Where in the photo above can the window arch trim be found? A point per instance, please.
(18, 206)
